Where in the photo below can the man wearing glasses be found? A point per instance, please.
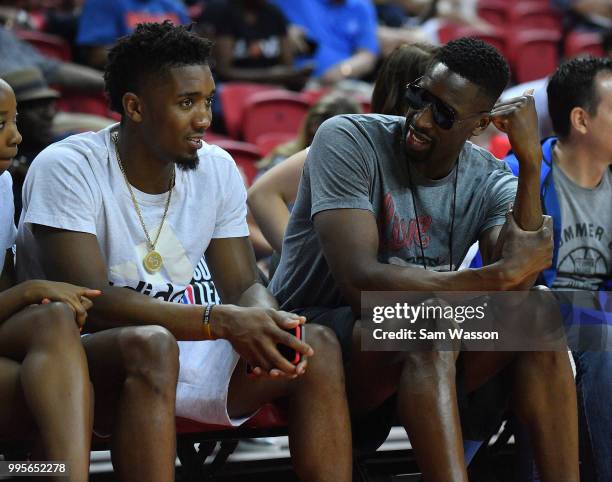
(393, 204)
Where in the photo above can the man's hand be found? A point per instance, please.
(77, 297)
(526, 253)
(254, 334)
(517, 117)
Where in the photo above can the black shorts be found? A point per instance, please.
(481, 411)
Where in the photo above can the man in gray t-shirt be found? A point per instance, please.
(343, 172)
(392, 204)
(577, 192)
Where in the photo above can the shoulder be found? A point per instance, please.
(365, 123)
(75, 154)
(215, 162)
(211, 153)
(482, 160)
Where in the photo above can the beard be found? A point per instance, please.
(188, 163)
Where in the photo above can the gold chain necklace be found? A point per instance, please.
(152, 261)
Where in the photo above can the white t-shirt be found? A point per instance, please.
(77, 185)
(7, 213)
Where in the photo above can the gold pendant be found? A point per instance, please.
(153, 262)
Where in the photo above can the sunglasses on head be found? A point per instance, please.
(418, 98)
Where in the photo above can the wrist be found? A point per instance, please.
(220, 316)
(500, 276)
(531, 159)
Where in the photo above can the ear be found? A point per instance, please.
(481, 126)
(579, 119)
(132, 106)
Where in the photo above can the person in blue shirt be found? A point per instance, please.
(342, 33)
(576, 190)
(102, 22)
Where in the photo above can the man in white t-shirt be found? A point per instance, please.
(136, 206)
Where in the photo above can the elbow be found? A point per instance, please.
(356, 279)
(254, 200)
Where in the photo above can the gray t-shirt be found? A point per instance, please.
(585, 244)
(359, 162)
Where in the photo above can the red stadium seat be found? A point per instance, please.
(214, 138)
(245, 155)
(534, 15)
(268, 141)
(233, 96)
(583, 43)
(535, 54)
(49, 45)
(499, 146)
(95, 104)
(312, 96)
(269, 416)
(279, 111)
(495, 12)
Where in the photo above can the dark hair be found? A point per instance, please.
(151, 50)
(405, 64)
(573, 85)
(606, 41)
(478, 62)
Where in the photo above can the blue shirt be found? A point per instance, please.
(339, 29)
(102, 22)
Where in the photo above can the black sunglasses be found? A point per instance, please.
(419, 98)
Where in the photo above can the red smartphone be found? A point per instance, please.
(287, 352)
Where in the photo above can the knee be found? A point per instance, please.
(54, 324)
(150, 353)
(328, 354)
(428, 365)
(323, 341)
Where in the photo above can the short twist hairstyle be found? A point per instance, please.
(150, 51)
(573, 85)
(478, 62)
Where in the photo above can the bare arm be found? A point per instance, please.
(354, 231)
(593, 7)
(270, 195)
(76, 258)
(517, 117)
(359, 64)
(284, 73)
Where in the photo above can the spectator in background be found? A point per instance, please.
(270, 195)
(16, 54)
(576, 190)
(40, 122)
(342, 34)
(589, 14)
(251, 44)
(102, 22)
